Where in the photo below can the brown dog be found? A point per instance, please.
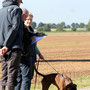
(60, 81)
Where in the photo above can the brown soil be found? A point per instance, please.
(66, 46)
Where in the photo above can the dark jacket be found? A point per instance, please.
(29, 48)
(11, 26)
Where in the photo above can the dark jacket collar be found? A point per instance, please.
(31, 29)
(6, 3)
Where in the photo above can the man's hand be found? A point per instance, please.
(41, 56)
(33, 38)
(40, 34)
(3, 51)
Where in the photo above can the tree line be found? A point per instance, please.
(60, 26)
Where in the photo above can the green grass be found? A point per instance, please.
(78, 29)
(39, 87)
(68, 30)
(81, 82)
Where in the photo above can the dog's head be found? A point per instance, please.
(71, 86)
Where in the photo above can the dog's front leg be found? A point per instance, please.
(45, 86)
(60, 82)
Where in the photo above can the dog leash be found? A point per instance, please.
(51, 66)
(37, 69)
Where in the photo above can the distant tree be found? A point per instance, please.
(73, 27)
(59, 27)
(82, 25)
(63, 24)
(53, 25)
(46, 27)
(88, 26)
(40, 29)
(41, 24)
(68, 26)
(77, 25)
(33, 25)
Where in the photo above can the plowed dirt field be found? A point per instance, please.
(66, 46)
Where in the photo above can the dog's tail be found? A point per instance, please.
(38, 72)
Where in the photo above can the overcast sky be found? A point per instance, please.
(56, 11)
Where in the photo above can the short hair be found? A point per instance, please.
(25, 11)
(30, 14)
(19, 0)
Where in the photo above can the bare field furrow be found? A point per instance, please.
(66, 46)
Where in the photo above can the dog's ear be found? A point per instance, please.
(74, 85)
(71, 86)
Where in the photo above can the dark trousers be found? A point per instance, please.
(9, 64)
(25, 73)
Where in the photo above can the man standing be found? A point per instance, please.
(11, 34)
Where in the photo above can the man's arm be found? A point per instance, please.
(11, 35)
(39, 53)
